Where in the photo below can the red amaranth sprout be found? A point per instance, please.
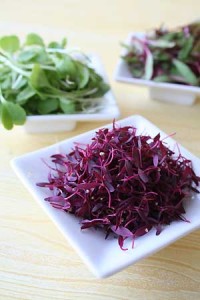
(123, 183)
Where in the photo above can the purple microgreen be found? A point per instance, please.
(123, 183)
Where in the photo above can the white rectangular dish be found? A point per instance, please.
(166, 92)
(104, 257)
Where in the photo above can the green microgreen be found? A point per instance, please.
(37, 79)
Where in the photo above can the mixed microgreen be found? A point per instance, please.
(122, 182)
(38, 79)
(166, 55)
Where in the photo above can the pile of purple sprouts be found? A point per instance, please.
(124, 183)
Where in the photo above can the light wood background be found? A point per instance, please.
(36, 262)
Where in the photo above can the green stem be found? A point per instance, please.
(44, 67)
(2, 99)
(8, 63)
(62, 51)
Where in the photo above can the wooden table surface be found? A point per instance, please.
(36, 262)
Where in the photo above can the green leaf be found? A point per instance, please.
(64, 43)
(6, 119)
(38, 78)
(170, 36)
(159, 43)
(5, 72)
(159, 56)
(102, 89)
(148, 69)
(10, 43)
(186, 48)
(67, 106)
(53, 78)
(40, 83)
(6, 84)
(34, 39)
(31, 106)
(16, 113)
(42, 57)
(83, 75)
(47, 106)
(162, 78)
(24, 95)
(12, 114)
(185, 72)
(137, 72)
(130, 59)
(27, 55)
(66, 66)
(54, 45)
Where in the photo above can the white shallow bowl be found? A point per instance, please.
(166, 92)
(103, 257)
(67, 122)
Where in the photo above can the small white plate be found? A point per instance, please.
(67, 122)
(167, 92)
(103, 257)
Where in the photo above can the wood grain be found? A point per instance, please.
(36, 262)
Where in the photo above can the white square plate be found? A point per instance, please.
(66, 122)
(167, 92)
(104, 257)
